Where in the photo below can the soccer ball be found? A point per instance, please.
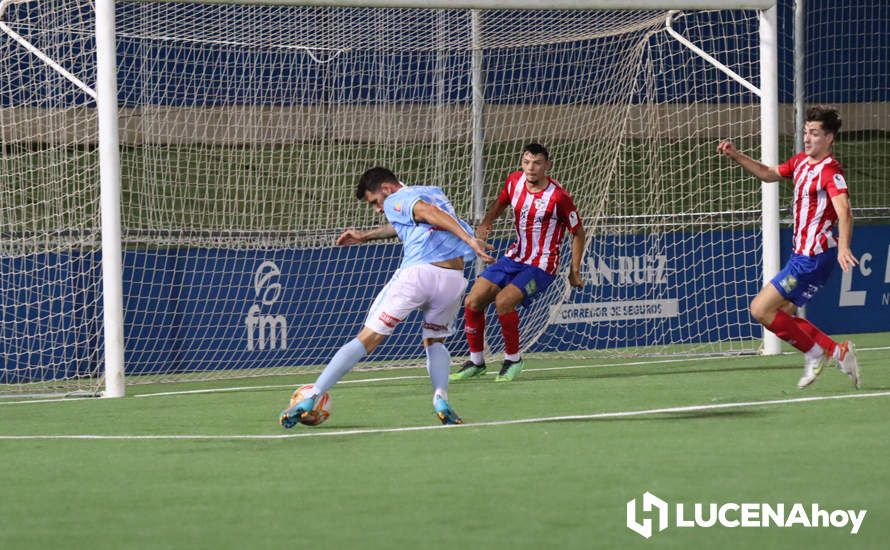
(320, 412)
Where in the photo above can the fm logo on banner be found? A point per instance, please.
(266, 331)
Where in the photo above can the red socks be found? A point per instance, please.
(825, 342)
(801, 333)
(474, 324)
(785, 327)
(510, 330)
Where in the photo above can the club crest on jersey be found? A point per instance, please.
(789, 283)
(539, 204)
(397, 207)
(840, 182)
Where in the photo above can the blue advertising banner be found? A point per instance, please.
(858, 300)
(201, 309)
(50, 323)
(197, 309)
(670, 288)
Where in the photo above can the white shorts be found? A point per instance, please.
(436, 291)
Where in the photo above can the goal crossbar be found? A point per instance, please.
(505, 4)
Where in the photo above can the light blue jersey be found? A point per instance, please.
(424, 243)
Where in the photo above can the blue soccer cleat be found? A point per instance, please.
(291, 416)
(445, 413)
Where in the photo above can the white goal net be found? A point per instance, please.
(243, 130)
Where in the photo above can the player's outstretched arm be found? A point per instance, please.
(754, 167)
(579, 241)
(844, 211)
(354, 236)
(431, 214)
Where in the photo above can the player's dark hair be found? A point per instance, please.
(372, 179)
(828, 117)
(536, 149)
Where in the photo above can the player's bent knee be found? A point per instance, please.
(760, 313)
(370, 339)
(476, 301)
(507, 300)
(754, 310)
(427, 342)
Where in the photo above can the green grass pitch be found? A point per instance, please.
(369, 483)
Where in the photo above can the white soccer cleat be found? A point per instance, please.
(811, 369)
(848, 363)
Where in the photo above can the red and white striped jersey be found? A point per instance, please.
(814, 214)
(541, 220)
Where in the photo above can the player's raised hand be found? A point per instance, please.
(727, 147)
(575, 279)
(482, 232)
(846, 258)
(350, 237)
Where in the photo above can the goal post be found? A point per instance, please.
(769, 150)
(110, 198)
(178, 224)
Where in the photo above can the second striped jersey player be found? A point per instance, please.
(543, 211)
(821, 203)
(540, 218)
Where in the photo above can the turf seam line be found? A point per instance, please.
(367, 431)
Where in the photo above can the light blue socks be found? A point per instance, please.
(342, 362)
(438, 365)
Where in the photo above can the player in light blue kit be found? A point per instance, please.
(430, 278)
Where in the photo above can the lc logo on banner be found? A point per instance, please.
(732, 514)
(857, 300)
(852, 298)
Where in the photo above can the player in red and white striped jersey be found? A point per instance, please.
(821, 202)
(815, 185)
(542, 212)
(540, 218)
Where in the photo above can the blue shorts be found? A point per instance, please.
(529, 279)
(803, 276)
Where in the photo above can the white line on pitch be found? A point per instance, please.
(56, 400)
(417, 377)
(424, 377)
(594, 416)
